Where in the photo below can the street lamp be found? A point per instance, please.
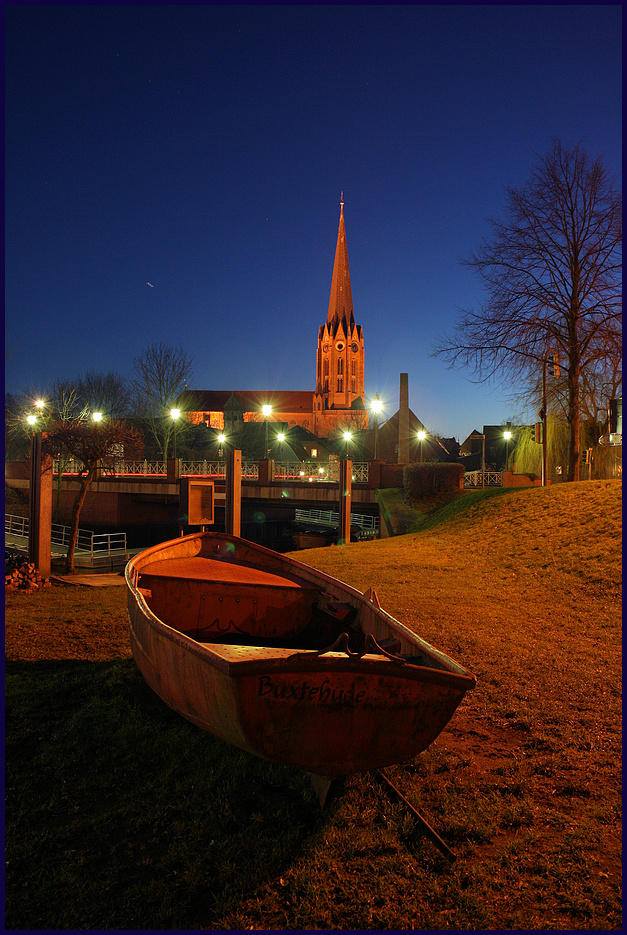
(221, 441)
(175, 413)
(376, 405)
(266, 409)
(421, 437)
(97, 416)
(347, 436)
(507, 435)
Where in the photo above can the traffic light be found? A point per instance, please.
(538, 433)
(586, 456)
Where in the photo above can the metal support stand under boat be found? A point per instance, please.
(433, 836)
(326, 789)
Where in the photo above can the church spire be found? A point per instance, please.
(341, 298)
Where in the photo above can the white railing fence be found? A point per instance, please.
(98, 544)
(483, 479)
(331, 519)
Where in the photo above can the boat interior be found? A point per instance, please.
(237, 603)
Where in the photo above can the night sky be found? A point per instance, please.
(173, 173)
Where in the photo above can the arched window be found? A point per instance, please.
(340, 365)
(340, 385)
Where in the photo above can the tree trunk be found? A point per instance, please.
(77, 506)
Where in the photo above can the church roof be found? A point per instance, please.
(249, 400)
(341, 298)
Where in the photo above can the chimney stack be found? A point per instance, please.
(403, 421)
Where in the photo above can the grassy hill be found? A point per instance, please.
(120, 814)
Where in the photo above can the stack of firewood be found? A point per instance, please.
(26, 577)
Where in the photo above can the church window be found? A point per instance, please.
(340, 365)
(353, 390)
(326, 368)
(340, 385)
(353, 367)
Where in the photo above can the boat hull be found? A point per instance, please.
(330, 714)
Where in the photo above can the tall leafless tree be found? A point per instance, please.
(160, 376)
(552, 271)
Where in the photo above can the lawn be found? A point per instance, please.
(120, 814)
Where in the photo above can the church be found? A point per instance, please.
(338, 402)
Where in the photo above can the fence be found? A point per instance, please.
(96, 545)
(483, 479)
(329, 518)
(328, 472)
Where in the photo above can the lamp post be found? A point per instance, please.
(507, 435)
(376, 405)
(221, 441)
(266, 409)
(347, 437)
(421, 437)
(175, 413)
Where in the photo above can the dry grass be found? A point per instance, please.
(146, 822)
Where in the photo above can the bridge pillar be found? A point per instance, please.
(266, 472)
(344, 531)
(233, 493)
(40, 508)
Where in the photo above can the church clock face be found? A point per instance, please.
(354, 347)
(326, 348)
(339, 346)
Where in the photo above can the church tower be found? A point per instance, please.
(339, 399)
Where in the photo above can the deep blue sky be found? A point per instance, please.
(203, 149)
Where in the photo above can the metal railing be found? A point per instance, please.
(283, 470)
(331, 519)
(483, 479)
(94, 544)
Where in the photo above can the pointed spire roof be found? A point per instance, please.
(341, 298)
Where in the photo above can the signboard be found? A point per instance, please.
(197, 499)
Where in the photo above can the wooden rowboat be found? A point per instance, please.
(282, 660)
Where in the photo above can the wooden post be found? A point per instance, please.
(233, 505)
(40, 508)
(346, 472)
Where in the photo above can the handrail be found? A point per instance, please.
(285, 471)
(330, 518)
(483, 479)
(102, 543)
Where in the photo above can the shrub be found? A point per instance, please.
(433, 479)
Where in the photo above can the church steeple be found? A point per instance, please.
(341, 298)
(339, 397)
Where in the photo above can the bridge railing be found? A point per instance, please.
(283, 470)
(483, 479)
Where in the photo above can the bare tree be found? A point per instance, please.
(108, 393)
(160, 376)
(91, 444)
(552, 270)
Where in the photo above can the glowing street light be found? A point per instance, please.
(175, 413)
(97, 416)
(40, 403)
(266, 409)
(421, 437)
(31, 419)
(221, 441)
(347, 437)
(507, 435)
(376, 405)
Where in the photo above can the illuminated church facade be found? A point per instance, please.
(338, 401)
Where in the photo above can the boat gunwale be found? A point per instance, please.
(302, 660)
